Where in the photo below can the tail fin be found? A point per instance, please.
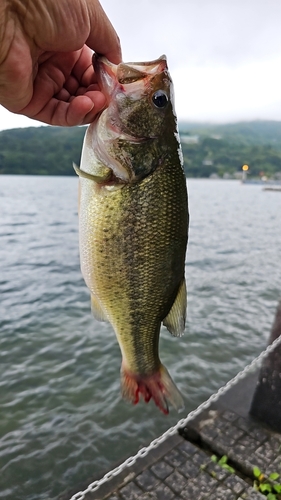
(158, 386)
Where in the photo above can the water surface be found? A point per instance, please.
(62, 420)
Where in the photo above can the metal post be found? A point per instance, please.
(266, 403)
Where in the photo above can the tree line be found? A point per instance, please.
(207, 149)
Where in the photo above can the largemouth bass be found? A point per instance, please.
(133, 221)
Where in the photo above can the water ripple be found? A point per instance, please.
(62, 420)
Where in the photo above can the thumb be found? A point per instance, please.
(103, 38)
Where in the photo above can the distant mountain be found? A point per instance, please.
(223, 149)
(207, 148)
(40, 150)
(253, 132)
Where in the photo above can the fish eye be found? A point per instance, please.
(160, 99)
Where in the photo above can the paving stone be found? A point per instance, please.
(239, 450)
(209, 433)
(222, 493)
(148, 496)
(236, 484)
(274, 443)
(220, 423)
(176, 481)
(251, 494)
(206, 483)
(223, 443)
(259, 434)
(130, 491)
(230, 416)
(189, 469)
(163, 492)
(266, 451)
(234, 432)
(146, 480)
(216, 471)
(199, 458)
(162, 469)
(198, 488)
(244, 424)
(175, 458)
(275, 466)
(252, 461)
(249, 442)
(191, 490)
(187, 448)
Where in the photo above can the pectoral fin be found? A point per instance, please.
(104, 176)
(175, 320)
(97, 311)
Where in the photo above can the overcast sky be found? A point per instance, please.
(224, 55)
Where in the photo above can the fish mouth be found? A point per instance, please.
(109, 74)
(125, 73)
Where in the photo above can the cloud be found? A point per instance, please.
(10, 120)
(198, 32)
(224, 55)
(250, 91)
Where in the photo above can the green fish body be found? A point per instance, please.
(133, 222)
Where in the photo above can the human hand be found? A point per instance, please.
(46, 70)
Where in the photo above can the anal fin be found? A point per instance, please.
(97, 310)
(175, 320)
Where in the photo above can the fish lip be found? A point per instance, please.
(98, 58)
(105, 72)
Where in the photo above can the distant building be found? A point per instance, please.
(227, 176)
(189, 139)
(238, 175)
(207, 162)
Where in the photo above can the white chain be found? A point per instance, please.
(181, 423)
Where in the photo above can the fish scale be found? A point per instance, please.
(132, 244)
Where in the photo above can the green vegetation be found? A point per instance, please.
(222, 462)
(40, 150)
(207, 149)
(223, 149)
(267, 485)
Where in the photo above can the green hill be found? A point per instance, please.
(207, 149)
(255, 132)
(223, 149)
(40, 150)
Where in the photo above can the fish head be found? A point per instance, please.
(139, 118)
(139, 96)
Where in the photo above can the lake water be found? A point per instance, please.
(62, 420)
